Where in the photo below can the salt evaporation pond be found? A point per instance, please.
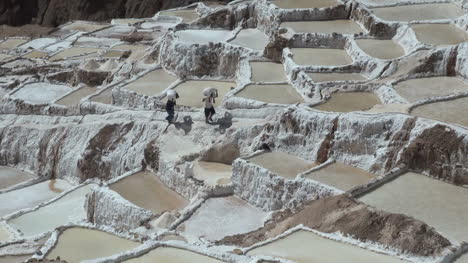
(145, 190)
(462, 259)
(267, 72)
(68, 209)
(202, 36)
(439, 34)
(11, 259)
(212, 173)
(444, 207)
(343, 26)
(4, 57)
(74, 98)
(271, 93)
(11, 176)
(104, 97)
(114, 32)
(302, 4)
(349, 102)
(275, 163)
(73, 52)
(172, 255)
(11, 43)
(382, 49)
(306, 247)
(451, 111)
(341, 176)
(251, 38)
(419, 12)
(36, 54)
(188, 16)
(221, 217)
(78, 244)
(423, 88)
(4, 234)
(31, 196)
(41, 92)
(152, 83)
(113, 54)
(191, 91)
(83, 27)
(321, 56)
(319, 77)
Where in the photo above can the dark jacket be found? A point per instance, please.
(170, 105)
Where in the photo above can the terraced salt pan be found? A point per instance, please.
(342, 176)
(418, 12)
(4, 235)
(329, 77)
(452, 111)
(188, 16)
(321, 56)
(113, 54)
(75, 97)
(251, 38)
(104, 97)
(10, 176)
(83, 27)
(439, 34)
(114, 31)
(301, 4)
(170, 255)
(4, 57)
(221, 217)
(212, 173)
(383, 49)
(31, 196)
(276, 163)
(349, 101)
(423, 88)
(41, 92)
(78, 244)
(127, 21)
(68, 209)
(145, 190)
(462, 259)
(152, 83)
(74, 52)
(191, 92)
(16, 259)
(344, 26)
(202, 36)
(130, 47)
(443, 207)
(267, 72)
(36, 54)
(11, 43)
(307, 247)
(271, 93)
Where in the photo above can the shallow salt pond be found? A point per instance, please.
(4, 57)
(418, 12)
(145, 190)
(251, 38)
(349, 101)
(329, 77)
(172, 255)
(202, 36)
(267, 72)
(191, 91)
(73, 52)
(271, 93)
(31, 196)
(12, 43)
(10, 176)
(15, 259)
(212, 173)
(418, 89)
(188, 16)
(36, 54)
(439, 34)
(321, 56)
(443, 207)
(4, 235)
(127, 21)
(344, 26)
(302, 4)
(462, 259)
(83, 27)
(114, 32)
(41, 92)
(74, 98)
(152, 83)
(113, 54)
(104, 97)
(452, 111)
(306, 247)
(221, 217)
(275, 163)
(382, 49)
(78, 244)
(68, 209)
(341, 176)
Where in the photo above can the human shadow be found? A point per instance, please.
(185, 125)
(223, 123)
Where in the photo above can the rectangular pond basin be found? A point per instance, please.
(439, 34)
(41, 92)
(11, 176)
(79, 244)
(11, 259)
(419, 12)
(452, 111)
(36, 54)
(152, 83)
(212, 173)
(307, 247)
(113, 54)
(423, 88)
(330, 77)
(31, 196)
(4, 57)
(145, 190)
(276, 162)
(104, 97)
(68, 209)
(188, 15)
(321, 57)
(462, 259)
(341, 176)
(349, 102)
(267, 72)
(439, 204)
(11, 43)
(382, 49)
(221, 217)
(202, 36)
(74, 98)
(74, 52)
(191, 91)
(303, 4)
(83, 27)
(251, 38)
(114, 31)
(271, 93)
(342, 26)
(170, 255)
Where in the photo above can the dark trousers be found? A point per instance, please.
(170, 116)
(209, 112)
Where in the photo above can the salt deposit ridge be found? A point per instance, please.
(341, 134)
